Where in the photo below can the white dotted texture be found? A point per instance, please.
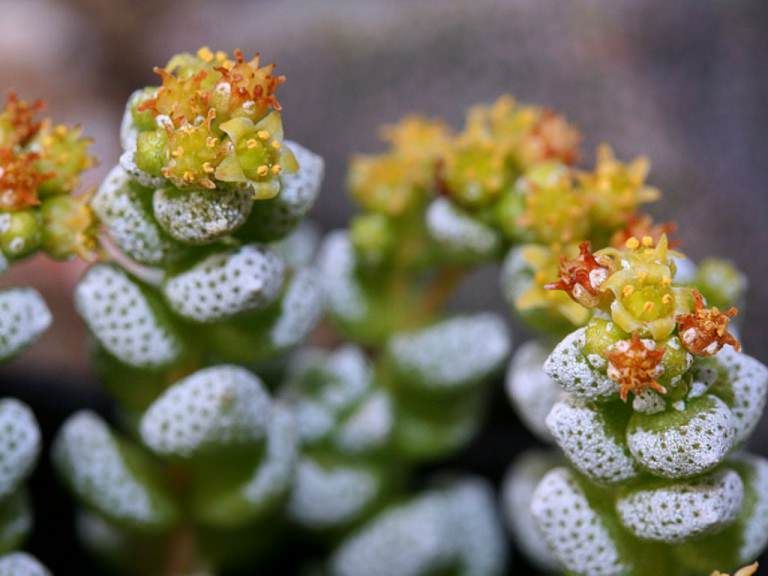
(298, 194)
(21, 564)
(572, 529)
(123, 320)
(328, 496)
(275, 473)
(453, 528)
(458, 233)
(89, 457)
(408, 540)
(23, 318)
(517, 490)
(199, 216)
(683, 510)
(338, 380)
(124, 208)
(19, 444)
(368, 427)
(214, 407)
(343, 294)
(315, 419)
(748, 379)
(128, 131)
(299, 248)
(684, 449)
(477, 531)
(351, 375)
(584, 436)
(755, 524)
(15, 520)
(452, 353)
(226, 284)
(300, 310)
(530, 390)
(568, 366)
(128, 162)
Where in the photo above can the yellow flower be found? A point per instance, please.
(393, 182)
(553, 212)
(529, 134)
(616, 189)
(645, 301)
(543, 263)
(745, 571)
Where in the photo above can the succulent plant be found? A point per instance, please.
(205, 287)
(655, 397)
(40, 167)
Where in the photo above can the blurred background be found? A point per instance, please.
(684, 82)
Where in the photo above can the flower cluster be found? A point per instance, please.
(213, 123)
(40, 168)
(648, 402)
(209, 280)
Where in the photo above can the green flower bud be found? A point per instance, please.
(69, 227)
(372, 238)
(722, 284)
(63, 157)
(20, 233)
(152, 151)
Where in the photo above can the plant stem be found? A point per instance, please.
(441, 288)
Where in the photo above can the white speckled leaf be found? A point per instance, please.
(754, 518)
(458, 234)
(591, 443)
(476, 528)
(568, 366)
(451, 354)
(748, 385)
(19, 444)
(299, 248)
(683, 510)
(343, 294)
(200, 216)
(214, 407)
(125, 320)
(531, 392)
(21, 564)
(745, 539)
(573, 530)
(331, 495)
(300, 310)
(110, 476)
(226, 284)
(368, 427)
(124, 207)
(23, 318)
(407, 540)
(682, 444)
(518, 486)
(445, 530)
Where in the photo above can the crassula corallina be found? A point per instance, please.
(208, 282)
(657, 398)
(40, 167)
